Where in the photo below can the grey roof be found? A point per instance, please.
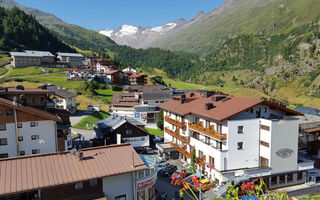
(60, 91)
(306, 110)
(70, 54)
(40, 53)
(24, 54)
(309, 118)
(157, 95)
(114, 121)
(31, 53)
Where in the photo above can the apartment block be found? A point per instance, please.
(236, 138)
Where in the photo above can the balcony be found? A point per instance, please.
(176, 122)
(177, 135)
(201, 161)
(183, 151)
(209, 132)
(173, 144)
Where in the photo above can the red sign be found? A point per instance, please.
(145, 184)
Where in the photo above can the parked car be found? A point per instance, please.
(168, 171)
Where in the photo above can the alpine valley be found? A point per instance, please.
(269, 46)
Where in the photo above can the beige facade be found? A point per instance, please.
(24, 61)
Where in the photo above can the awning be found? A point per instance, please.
(312, 130)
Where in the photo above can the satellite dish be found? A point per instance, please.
(73, 151)
(41, 141)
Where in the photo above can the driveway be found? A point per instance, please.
(80, 114)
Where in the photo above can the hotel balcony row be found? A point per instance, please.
(177, 135)
(208, 131)
(177, 123)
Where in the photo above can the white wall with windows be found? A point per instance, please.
(137, 141)
(34, 137)
(119, 186)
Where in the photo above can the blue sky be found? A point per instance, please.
(101, 14)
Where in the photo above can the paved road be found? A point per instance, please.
(86, 134)
(78, 116)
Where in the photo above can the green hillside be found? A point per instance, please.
(19, 31)
(207, 33)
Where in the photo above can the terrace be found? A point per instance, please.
(177, 135)
(176, 122)
(209, 132)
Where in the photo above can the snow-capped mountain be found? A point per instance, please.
(139, 37)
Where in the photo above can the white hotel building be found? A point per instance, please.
(25, 130)
(236, 138)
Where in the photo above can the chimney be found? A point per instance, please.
(209, 106)
(118, 138)
(183, 99)
(14, 102)
(80, 155)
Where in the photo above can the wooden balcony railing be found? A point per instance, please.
(201, 161)
(173, 144)
(183, 150)
(211, 133)
(176, 122)
(177, 135)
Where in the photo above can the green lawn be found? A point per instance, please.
(106, 95)
(156, 132)
(17, 72)
(57, 79)
(87, 122)
(3, 70)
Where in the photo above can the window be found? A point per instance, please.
(41, 99)
(35, 151)
(22, 153)
(4, 155)
(147, 172)
(251, 110)
(33, 124)
(289, 178)
(195, 135)
(211, 161)
(240, 145)
(282, 179)
(2, 127)
(299, 176)
(122, 197)
(207, 140)
(141, 194)
(264, 162)
(140, 174)
(94, 183)
(78, 186)
(273, 180)
(219, 145)
(19, 125)
(9, 112)
(128, 132)
(151, 192)
(263, 127)
(0, 112)
(266, 144)
(34, 137)
(240, 129)
(20, 138)
(265, 109)
(31, 100)
(3, 141)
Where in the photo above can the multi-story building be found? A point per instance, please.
(236, 138)
(108, 172)
(31, 58)
(137, 79)
(73, 59)
(62, 98)
(117, 129)
(26, 130)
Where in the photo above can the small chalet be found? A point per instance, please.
(118, 129)
(137, 79)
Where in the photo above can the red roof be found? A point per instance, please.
(25, 173)
(224, 109)
(111, 71)
(136, 75)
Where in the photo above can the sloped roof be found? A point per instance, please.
(224, 109)
(144, 87)
(29, 109)
(13, 90)
(125, 99)
(60, 91)
(156, 94)
(25, 173)
(115, 121)
(111, 71)
(40, 53)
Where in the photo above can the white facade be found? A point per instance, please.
(253, 142)
(120, 185)
(40, 138)
(68, 104)
(138, 141)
